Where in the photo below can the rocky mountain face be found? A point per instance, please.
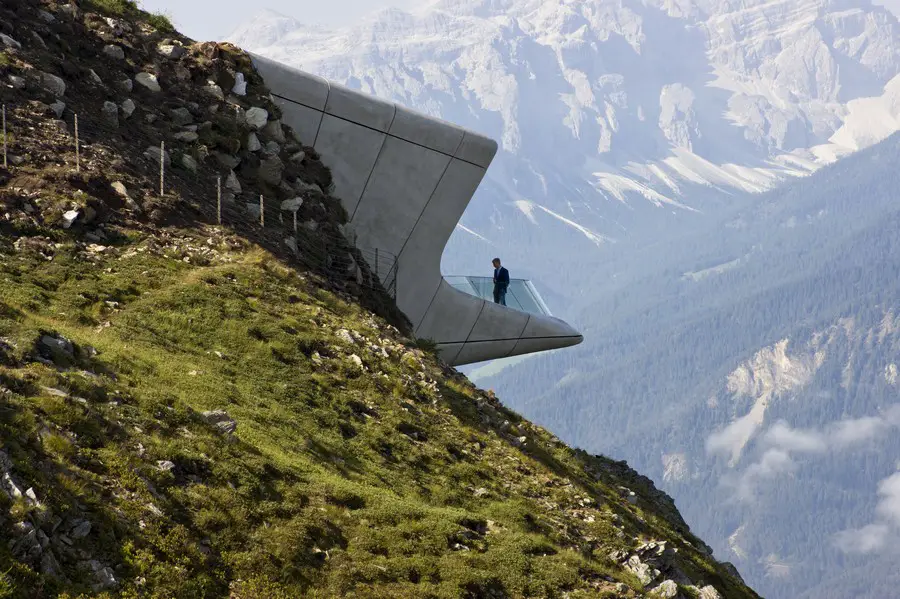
(191, 408)
(631, 134)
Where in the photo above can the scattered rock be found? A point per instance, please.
(113, 51)
(232, 183)
(257, 117)
(45, 16)
(644, 572)
(292, 205)
(58, 108)
(188, 162)
(271, 170)
(253, 144)
(227, 160)
(80, 530)
(110, 113)
(153, 153)
(291, 243)
(186, 136)
(221, 420)
(38, 39)
(69, 10)
(69, 218)
(16, 82)
(59, 349)
(128, 108)
(298, 157)
(95, 77)
(105, 576)
(55, 85)
(667, 589)
(215, 91)
(10, 42)
(240, 85)
(118, 26)
(165, 465)
(303, 186)
(49, 565)
(148, 80)
(272, 148)
(181, 116)
(709, 592)
(125, 85)
(274, 132)
(356, 361)
(120, 189)
(171, 51)
(345, 336)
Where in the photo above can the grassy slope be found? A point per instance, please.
(340, 479)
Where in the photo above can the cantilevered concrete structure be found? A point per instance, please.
(406, 179)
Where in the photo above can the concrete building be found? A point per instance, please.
(405, 180)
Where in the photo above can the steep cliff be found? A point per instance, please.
(195, 409)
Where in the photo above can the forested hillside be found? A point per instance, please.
(784, 309)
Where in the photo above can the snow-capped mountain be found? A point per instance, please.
(601, 106)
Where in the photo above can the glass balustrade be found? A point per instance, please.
(520, 295)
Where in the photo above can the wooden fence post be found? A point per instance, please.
(77, 147)
(162, 169)
(5, 164)
(219, 200)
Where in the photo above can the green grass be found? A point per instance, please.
(5, 61)
(325, 490)
(161, 21)
(426, 345)
(130, 9)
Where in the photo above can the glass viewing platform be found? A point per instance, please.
(520, 295)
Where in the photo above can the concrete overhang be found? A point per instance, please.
(405, 179)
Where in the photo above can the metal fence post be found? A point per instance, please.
(262, 211)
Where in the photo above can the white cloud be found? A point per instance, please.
(780, 443)
(868, 539)
(889, 506)
(735, 434)
(859, 430)
(791, 439)
(773, 463)
(875, 536)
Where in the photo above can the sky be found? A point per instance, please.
(215, 19)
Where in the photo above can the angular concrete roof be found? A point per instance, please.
(405, 179)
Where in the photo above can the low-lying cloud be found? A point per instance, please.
(886, 527)
(781, 443)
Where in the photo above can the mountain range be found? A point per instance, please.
(707, 189)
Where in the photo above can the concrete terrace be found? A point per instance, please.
(405, 179)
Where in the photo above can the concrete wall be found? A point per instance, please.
(406, 179)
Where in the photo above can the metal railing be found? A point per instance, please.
(520, 294)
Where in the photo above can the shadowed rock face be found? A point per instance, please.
(405, 179)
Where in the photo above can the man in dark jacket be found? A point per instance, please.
(501, 282)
